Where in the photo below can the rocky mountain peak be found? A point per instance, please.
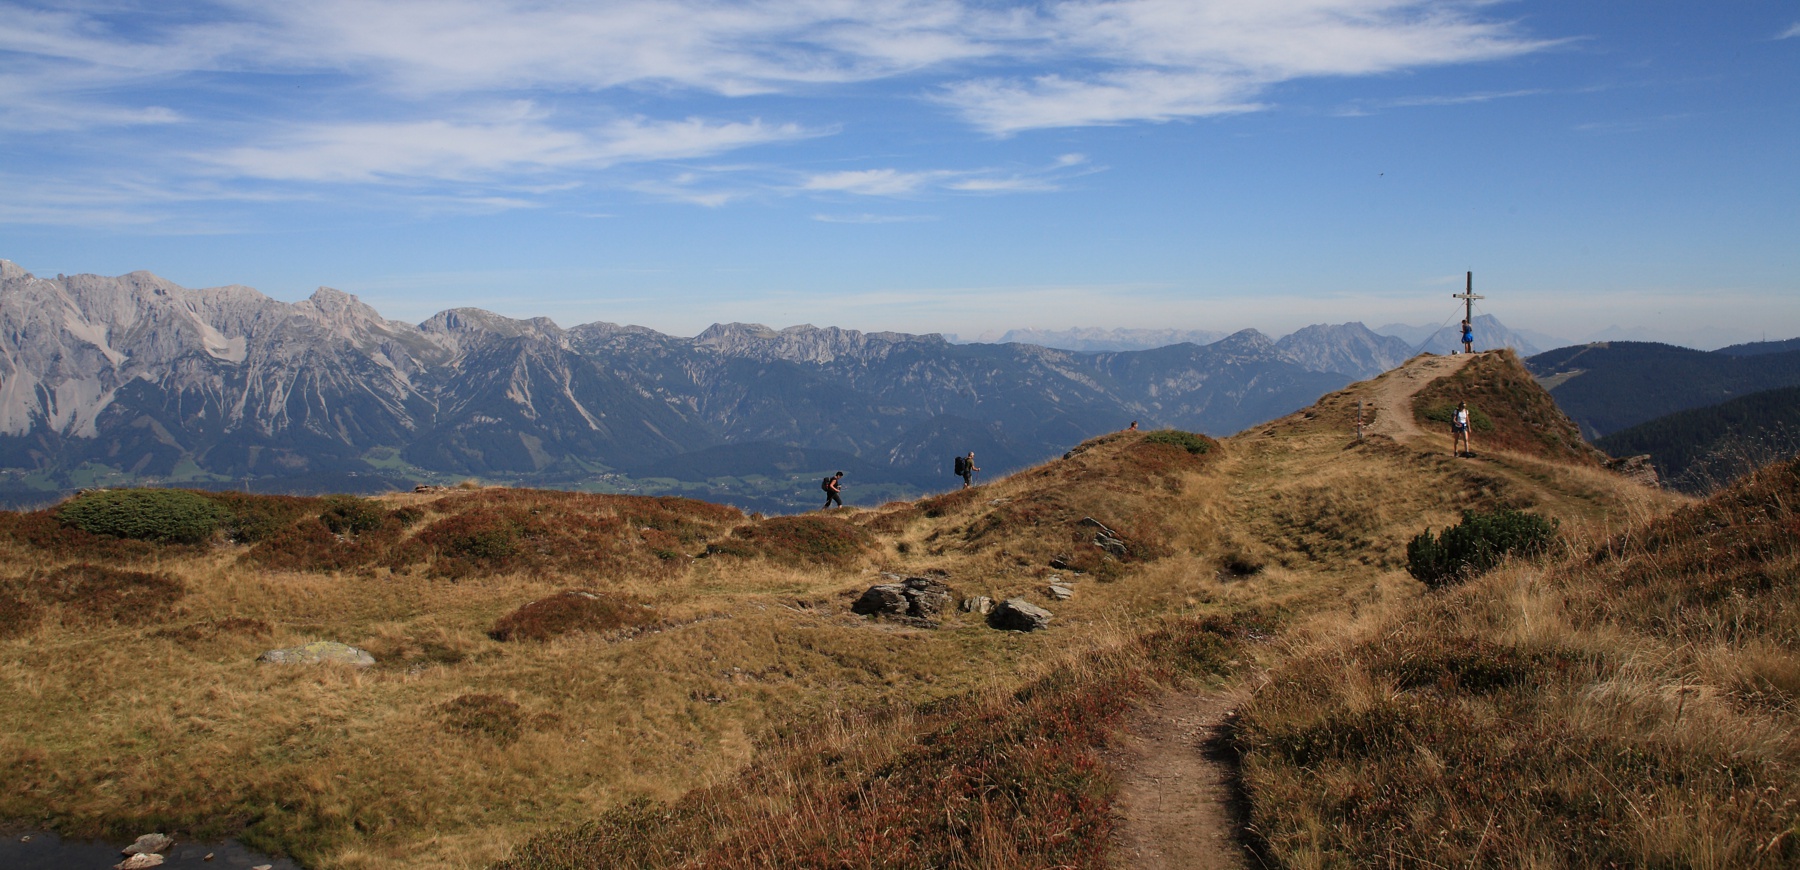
(11, 271)
(803, 343)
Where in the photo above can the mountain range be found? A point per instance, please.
(134, 379)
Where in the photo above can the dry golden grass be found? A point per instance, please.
(455, 749)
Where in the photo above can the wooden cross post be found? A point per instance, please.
(1468, 297)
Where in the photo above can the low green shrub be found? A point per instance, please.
(1478, 543)
(160, 515)
(1445, 413)
(349, 515)
(1195, 444)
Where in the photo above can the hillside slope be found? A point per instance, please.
(1704, 449)
(1609, 386)
(580, 680)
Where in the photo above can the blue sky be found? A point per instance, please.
(959, 166)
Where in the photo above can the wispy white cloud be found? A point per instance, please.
(1791, 32)
(519, 141)
(898, 183)
(1159, 60)
(866, 218)
(1371, 106)
(876, 182)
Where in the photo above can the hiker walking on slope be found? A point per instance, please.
(834, 490)
(965, 469)
(1468, 337)
(1459, 431)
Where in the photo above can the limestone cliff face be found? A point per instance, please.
(138, 375)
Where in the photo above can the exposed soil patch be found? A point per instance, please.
(1392, 395)
(1177, 794)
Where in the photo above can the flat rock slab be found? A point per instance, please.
(319, 651)
(1017, 614)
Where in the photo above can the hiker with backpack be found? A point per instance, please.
(834, 489)
(1468, 337)
(1459, 431)
(964, 467)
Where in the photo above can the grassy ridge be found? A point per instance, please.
(1634, 704)
(1703, 449)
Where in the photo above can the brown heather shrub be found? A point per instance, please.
(255, 518)
(212, 629)
(812, 540)
(310, 546)
(96, 592)
(567, 612)
(948, 503)
(577, 533)
(19, 613)
(41, 531)
(1003, 781)
(481, 715)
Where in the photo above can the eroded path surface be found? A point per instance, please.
(1392, 394)
(1177, 793)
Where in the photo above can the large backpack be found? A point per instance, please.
(960, 466)
(825, 484)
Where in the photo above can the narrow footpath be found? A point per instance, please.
(1179, 801)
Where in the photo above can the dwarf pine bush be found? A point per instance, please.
(1476, 544)
(161, 515)
(1195, 444)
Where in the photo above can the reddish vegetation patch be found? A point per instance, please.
(1522, 415)
(948, 503)
(309, 545)
(483, 715)
(811, 539)
(100, 593)
(18, 612)
(40, 530)
(210, 629)
(566, 613)
(257, 517)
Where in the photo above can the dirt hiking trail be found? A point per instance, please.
(1177, 792)
(1179, 803)
(1392, 393)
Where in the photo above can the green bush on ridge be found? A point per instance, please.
(1195, 444)
(1480, 542)
(161, 515)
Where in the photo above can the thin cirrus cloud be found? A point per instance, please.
(482, 149)
(1791, 32)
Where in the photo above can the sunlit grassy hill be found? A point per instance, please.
(684, 685)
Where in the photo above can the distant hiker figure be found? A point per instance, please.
(965, 469)
(1468, 338)
(834, 490)
(1132, 427)
(1459, 431)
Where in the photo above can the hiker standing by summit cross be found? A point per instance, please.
(1468, 297)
